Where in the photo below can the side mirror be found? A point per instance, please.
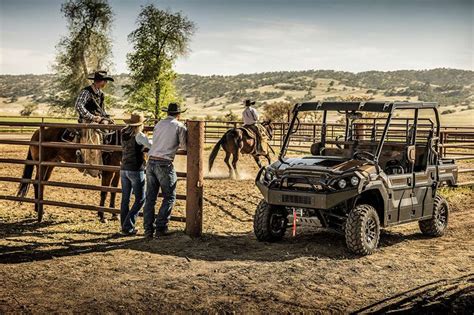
(411, 153)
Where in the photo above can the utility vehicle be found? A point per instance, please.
(383, 168)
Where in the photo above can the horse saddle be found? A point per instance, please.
(250, 131)
(69, 135)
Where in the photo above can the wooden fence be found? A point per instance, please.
(193, 174)
(456, 142)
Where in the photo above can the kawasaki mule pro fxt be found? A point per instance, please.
(382, 169)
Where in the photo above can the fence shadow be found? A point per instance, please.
(210, 247)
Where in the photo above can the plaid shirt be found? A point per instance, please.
(82, 100)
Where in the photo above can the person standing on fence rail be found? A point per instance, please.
(132, 171)
(169, 136)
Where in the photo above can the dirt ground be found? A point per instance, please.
(71, 263)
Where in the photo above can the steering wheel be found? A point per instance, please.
(394, 167)
(364, 156)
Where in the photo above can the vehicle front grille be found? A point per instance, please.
(296, 199)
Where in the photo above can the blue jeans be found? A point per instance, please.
(131, 180)
(159, 174)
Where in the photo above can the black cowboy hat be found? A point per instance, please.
(249, 102)
(173, 108)
(101, 76)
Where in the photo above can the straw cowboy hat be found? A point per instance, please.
(135, 119)
(174, 108)
(249, 102)
(101, 76)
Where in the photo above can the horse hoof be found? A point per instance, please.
(114, 217)
(103, 220)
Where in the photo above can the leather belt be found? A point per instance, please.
(158, 159)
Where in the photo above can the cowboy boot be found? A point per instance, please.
(79, 156)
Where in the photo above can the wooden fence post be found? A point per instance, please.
(40, 171)
(195, 178)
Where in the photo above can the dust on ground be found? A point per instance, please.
(72, 263)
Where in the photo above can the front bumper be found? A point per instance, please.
(303, 199)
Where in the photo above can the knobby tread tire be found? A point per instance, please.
(429, 227)
(261, 224)
(354, 229)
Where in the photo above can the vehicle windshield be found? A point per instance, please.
(342, 133)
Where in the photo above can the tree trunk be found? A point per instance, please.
(157, 99)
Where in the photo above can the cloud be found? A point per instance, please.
(19, 61)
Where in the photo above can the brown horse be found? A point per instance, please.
(236, 141)
(108, 178)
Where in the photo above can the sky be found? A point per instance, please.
(249, 36)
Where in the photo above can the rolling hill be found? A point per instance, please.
(216, 95)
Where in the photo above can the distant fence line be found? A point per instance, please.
(456, 141)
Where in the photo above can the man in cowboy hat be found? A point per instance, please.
(90, 102)
(250, 119)
(169, 136)
(90, 105)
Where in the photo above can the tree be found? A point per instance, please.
(86, 48)
(231, 116)
(161, 37)
(277, 111)
(28, 109)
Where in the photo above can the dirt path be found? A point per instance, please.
(72, 263)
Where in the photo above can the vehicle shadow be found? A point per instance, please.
(320, 244)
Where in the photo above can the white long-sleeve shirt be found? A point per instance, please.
(250, 116)
(169, 136)
(142, 139)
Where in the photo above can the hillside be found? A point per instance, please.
(217, 95)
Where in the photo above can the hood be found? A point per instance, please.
(320, 163)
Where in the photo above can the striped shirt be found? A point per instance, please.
(82, 100)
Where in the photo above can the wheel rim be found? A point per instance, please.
(277, 222)
(370, 231)
(442, 216)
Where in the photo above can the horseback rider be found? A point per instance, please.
(250, 119)
(90, 104)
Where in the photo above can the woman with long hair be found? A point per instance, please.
(132, 171)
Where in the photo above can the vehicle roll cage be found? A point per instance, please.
(378, 107)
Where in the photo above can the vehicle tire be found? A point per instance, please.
(362, 230)
(439, 222)
(269, 222)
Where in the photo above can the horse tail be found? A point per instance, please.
(215, 150)
(27, 174)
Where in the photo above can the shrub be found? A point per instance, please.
(448, 111)
(28, 109)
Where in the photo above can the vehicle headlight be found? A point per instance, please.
(342, 183)
(269, 176)
(354, 180)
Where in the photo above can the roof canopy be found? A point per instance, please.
(384, 107)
